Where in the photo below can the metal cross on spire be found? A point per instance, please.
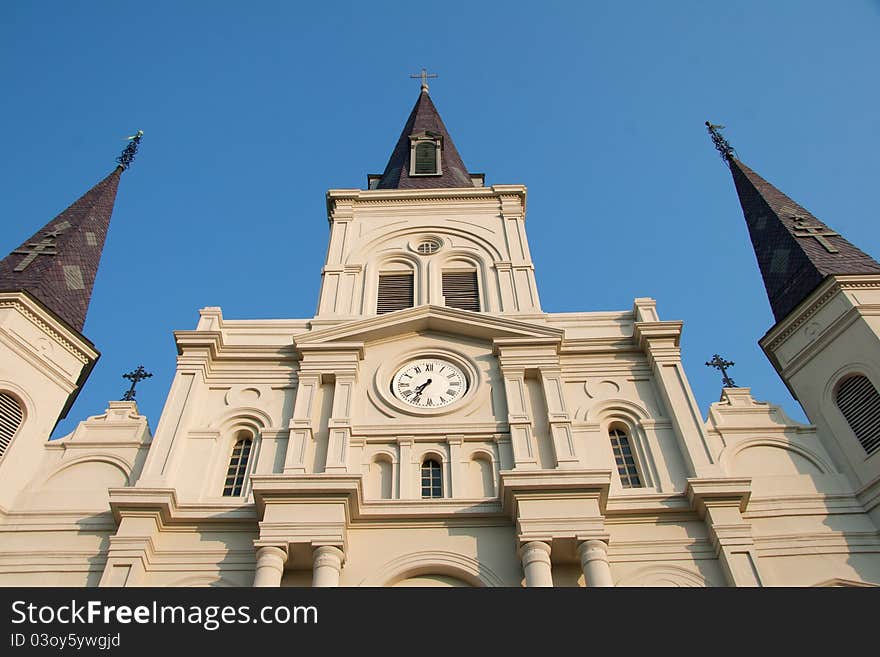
(719, 363)
(134, 376)
(131, 150)
(723, 146)
(424, 75)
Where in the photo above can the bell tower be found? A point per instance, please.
(824, 293)
(426, 231)
(45, 290)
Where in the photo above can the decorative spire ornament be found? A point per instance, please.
(720, 364)
(424, 75)
(135, 376)
(130, 151)
(721, 144)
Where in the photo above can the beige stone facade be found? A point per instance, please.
(331, 491)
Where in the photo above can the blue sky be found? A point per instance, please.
(251, 111)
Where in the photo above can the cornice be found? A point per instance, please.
(780, 332)
(78, 348)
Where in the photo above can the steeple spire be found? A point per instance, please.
(58, 264)
(795, 250)
(424, 126)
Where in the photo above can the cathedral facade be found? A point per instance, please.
(432, 426)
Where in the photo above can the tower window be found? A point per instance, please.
(395, 292)
(461, 291)
(432, 475)
(859, 402)
(424, 154)
(623, 457)
(238, 465)
(10, 420)
(426, 158)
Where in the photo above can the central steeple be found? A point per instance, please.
(424, 156)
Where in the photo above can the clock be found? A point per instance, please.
(429, 383)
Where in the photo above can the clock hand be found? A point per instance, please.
(419, 389)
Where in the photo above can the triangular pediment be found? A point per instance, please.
(439, 319)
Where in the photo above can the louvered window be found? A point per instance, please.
(10, 420)
(432, 474)
(623, 457)
(460, 290)
(395, 292)
(426, 158)
(859, 402)
(238, 465)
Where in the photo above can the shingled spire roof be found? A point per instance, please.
(424, 118)
(795, 250)
(57, 266)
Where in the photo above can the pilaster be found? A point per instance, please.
(660, 343)
(721, 502)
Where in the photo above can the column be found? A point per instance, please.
(270, 565)
(536, 563)
(594, 561)
(327, 566)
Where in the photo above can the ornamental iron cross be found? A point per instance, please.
(134, 376)
(424, 75)
(814, 230)
(45, 246)
(719, 363)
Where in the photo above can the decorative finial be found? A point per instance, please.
(424, 75)
(134, 376)
(131, 150)
(726, 150)
(719, 363)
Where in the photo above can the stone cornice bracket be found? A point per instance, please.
(718, 491)
(527, 352)
(279, 488)
(659, 340)
(163, 504)
(555, 505)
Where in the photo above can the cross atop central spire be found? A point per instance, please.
(424, 75)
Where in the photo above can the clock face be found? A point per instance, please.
(429, 383)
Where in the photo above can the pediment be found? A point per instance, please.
(438, 319)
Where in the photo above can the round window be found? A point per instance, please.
(427, 247)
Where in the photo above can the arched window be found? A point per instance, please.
(432, 479)
(460, 290)
(859, 402)
(624, 458)
(396, 291)
(10, 419)
(238, 466)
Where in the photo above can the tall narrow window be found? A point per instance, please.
(425, 158)
(10, 420)
(460, 290)
(623, 456)
(395, 292)
(432, 475)
(238, 464)
(859, 402)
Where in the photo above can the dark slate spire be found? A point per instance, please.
(57, 266)
(795, 250)
(424, 118)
